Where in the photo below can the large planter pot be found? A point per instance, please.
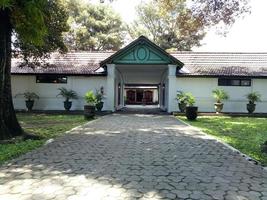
(191, 112)
(89, 111)
(99, 106)
(29, 104)
(251, 107)
(67, 105)
(182, 107)
(218, 107)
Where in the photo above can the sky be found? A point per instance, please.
(248, 34)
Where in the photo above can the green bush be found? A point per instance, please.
(190, 99)
(90, 98)
(253, 97)
(220, 95)
(67, 94)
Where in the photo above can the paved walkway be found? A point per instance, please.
(133, 157)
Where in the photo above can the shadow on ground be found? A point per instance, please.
(133, 157)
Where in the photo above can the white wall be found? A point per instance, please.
(48, 91)
(202, 88)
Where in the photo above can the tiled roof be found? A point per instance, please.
(195, 64)
(222, 64)
(76, 63)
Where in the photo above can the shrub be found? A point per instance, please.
(29, 96)
(190, 99)
(220, 95)
(181, 97)
(67, 94)
(99, 96)
(253, 97)
(90, 98)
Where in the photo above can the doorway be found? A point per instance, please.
(141, 94)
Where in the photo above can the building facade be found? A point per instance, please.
(143, 74)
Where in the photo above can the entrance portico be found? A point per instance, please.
(141, 73)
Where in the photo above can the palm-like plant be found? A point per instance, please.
(29, 96)
(253, 97)
(220, 95)
(29, 99)
(67, 94)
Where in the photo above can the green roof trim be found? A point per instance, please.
(143, 52)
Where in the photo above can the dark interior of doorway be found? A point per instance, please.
(142, 94)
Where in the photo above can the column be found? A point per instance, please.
(111, 87)
(172, 103)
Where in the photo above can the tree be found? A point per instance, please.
(182, 24)
(93, 27)
(37, 26)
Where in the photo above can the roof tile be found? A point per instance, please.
(195, 64)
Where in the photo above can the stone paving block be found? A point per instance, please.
(133, 157)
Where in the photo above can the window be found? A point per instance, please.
(51, 79)
(234, 82)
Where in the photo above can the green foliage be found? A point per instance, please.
(90, 98)
(29, 96)
(37, 26)
(186, 98)
(47, 126)
(9, 151)
(190, 99)
(247, 134)
(93, 27)
(253, 97)
(99, 96)
(182, 24)
(67, 94)
(181, 97)
(219, 95)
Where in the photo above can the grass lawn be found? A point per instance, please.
(46, 125)
(244, 133)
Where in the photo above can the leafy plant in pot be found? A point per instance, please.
(191, 110)
(252, 98)
(99, 100)
(29, 96)
(89, 109)
(219, 95)
(181, 98)
(68, 95)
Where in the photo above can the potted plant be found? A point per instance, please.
(89, 109)
(67, 94)
(190, 110)
(29, 96)
(181, 98)
(252, 98)
(219, 95)
(99, 100)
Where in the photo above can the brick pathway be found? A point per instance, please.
(133, 157)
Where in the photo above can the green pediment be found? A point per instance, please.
(142, 51)
(141, 54)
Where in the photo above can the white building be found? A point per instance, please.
(143, 73)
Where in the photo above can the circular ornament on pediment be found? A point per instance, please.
(141, 53)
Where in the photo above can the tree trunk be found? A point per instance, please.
(9, 126)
